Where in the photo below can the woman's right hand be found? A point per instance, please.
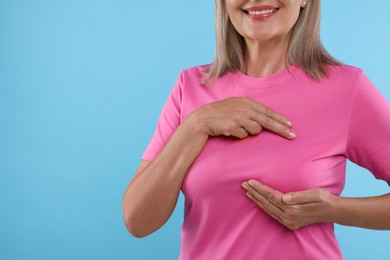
(239, 117)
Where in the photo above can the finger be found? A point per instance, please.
(303, 197)
(273, 125)
(278, 117)
(252, 127)
(273, 212)
(240, 133)
(265, 190)
(266, 204)
(265, 194)
(272, 114)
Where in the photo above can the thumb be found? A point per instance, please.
(302, 197)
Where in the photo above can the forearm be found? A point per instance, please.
(152, 195)
(370, 212)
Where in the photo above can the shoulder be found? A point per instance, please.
(195, 73)
(343, 77)
(344, 72)
(192, 77)
(348, 81)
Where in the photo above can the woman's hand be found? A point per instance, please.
(240, 117)
(295, 209)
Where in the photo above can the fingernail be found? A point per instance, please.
(289, 123)
(287, 198)
(244, 185)
(291, 134)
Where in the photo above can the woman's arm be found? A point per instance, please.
(151, 196)
(299, 209)
(370, 212)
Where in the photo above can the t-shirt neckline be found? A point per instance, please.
(266, 81)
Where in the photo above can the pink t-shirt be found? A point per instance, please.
(342, 116)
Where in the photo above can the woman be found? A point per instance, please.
(258, 141)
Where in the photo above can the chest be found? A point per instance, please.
(314, 159)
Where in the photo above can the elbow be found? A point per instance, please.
(133, 230)
(134, 226)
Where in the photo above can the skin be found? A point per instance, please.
(267, 41)
(151, 196)
(299, 209)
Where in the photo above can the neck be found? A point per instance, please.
(264, 59)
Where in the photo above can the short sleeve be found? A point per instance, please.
(167, 123)
(368, 143)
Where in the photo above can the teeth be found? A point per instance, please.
(261, 12)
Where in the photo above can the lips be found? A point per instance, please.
(260, 12)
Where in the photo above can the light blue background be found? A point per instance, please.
(82, 83)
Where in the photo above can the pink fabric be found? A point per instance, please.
(342, 116)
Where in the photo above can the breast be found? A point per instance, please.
(275, 161)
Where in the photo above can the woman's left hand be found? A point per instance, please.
(294, 209)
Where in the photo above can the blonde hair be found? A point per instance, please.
(305, 49)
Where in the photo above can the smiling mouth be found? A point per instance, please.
(261, 12)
